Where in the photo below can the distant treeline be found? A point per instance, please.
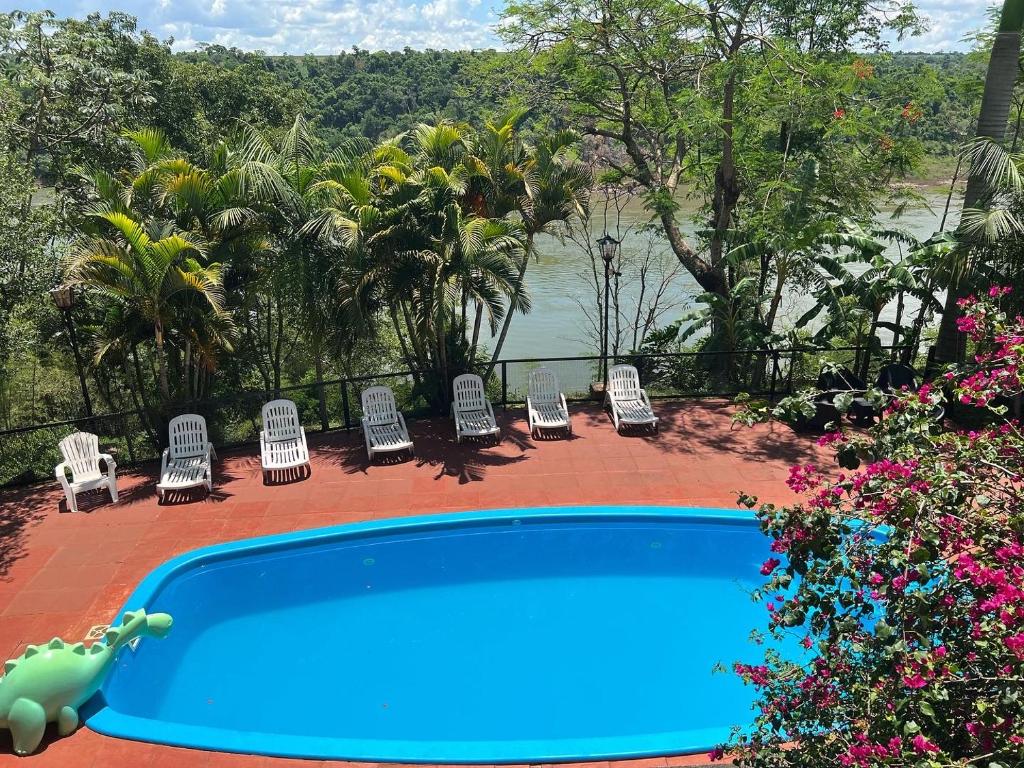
(376, 95)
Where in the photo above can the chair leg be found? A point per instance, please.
(112, 485)
(72, 501)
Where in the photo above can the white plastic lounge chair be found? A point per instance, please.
(81, 452)
(383, 424)
(628, 402)
(471, 410)
(545, 404)
(187, 462)
(282, 439)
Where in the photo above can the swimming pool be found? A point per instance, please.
(507, 636)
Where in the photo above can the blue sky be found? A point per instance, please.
(329, 26)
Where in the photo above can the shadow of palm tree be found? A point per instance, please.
(20, 511)
(706, 426)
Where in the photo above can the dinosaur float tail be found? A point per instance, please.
(137, 624)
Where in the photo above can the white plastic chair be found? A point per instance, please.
(282, 439)
(383, 424)
(81, 452)
(545, 404)
(471, 410)
(187, 462)
(629, 403)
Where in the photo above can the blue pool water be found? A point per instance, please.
(511, 636)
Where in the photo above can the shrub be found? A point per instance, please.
(903, 581)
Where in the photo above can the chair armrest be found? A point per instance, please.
(490, 410)
(211, 452)
(163, 459)
(401, 420)
(565, 405)
(302, 435)
(529, 403)
(643, 396)
(60, 471)
(363, 421)
(111, 464)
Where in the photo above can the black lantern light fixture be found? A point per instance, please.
(609, 249)
(64, 299)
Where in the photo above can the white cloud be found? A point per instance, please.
(330, 26)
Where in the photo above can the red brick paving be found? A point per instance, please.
(60, 573)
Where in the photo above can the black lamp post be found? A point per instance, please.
(609, 247)
(64, 299)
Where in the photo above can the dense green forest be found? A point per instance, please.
(376, 95)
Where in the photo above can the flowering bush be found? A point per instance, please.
(901, 587)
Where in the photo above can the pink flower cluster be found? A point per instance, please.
(866, 753)
(803, 478)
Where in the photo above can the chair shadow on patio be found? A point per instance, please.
(287, 476)
(435, 447)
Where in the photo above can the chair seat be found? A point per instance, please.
(388, 437)
(635, 412)
(476, 423)
(285, 454)
(549, 415)
(102, 481)
(184, 472)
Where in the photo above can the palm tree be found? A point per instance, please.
(415, 245)
(544, 184)
(1003, 69)
(157, 273)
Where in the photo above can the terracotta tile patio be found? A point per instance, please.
(61, 573)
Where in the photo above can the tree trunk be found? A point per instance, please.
(477, 319)
(710, 278)
(992, 121)
(161, 364)
(726, 192)
(507, 321)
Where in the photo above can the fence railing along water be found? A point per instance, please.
(29, 453)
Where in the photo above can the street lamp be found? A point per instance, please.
(609, 248)
(64, 299)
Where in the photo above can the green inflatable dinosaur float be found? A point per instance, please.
(48, 683)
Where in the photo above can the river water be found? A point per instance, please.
(560, 286)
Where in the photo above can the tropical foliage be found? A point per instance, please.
(895, 631)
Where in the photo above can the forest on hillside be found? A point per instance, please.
(378, 94)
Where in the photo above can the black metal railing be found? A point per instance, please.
(29, 453)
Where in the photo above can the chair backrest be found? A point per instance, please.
(624, 382)
(839, 379)
(281, 421)
(186, 436)
(543, 386)
(379, 405)
(469, 393)
(894, 376)
(81, 451)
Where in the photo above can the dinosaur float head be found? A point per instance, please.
(138, 624)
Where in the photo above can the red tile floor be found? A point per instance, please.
(60, 573)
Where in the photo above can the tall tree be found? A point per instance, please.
(155, 273)
(1003, 70)
(686, 97)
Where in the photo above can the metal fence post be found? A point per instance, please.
(504, 385)
(775, 374)
(344, 404)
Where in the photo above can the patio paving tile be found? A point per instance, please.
(60, 573)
